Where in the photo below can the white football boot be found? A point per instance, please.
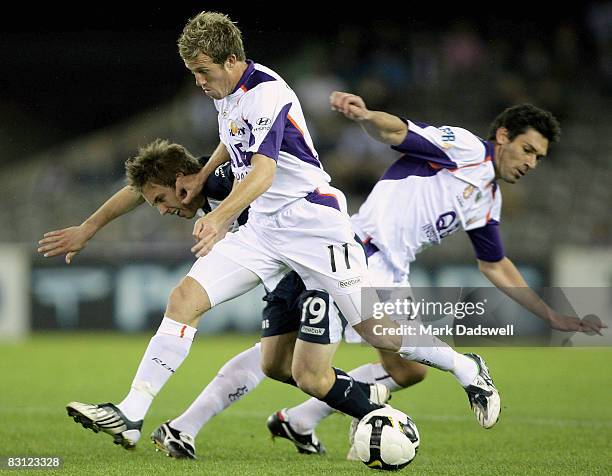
(482, 394)
(107, 418)
(175, 443)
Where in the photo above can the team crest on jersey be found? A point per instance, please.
(448, 136)
(234, 130)
(469, 190)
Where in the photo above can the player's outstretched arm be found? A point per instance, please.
(190, 186)
(71, 240)
(380, 125)
(505, 276)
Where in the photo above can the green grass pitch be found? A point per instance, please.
(556, 417)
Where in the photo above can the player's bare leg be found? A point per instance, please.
(277, 355)
(314, 374)
(404, 373)
(312, 369)
(392, 373)
(279, 423)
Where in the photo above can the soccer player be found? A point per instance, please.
(296, 221)
(284, 229)
(153, 173)
(445, 180)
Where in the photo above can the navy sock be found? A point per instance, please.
(365, 387)
(349, 396)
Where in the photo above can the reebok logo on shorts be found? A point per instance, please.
(347, 283)
(312, 330)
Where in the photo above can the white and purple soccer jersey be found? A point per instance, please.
(444, 181)
(264, 116)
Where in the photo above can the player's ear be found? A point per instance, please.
(231, 60)
(501, 136)
(183, 193)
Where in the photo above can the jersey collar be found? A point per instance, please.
(489, 150)
(245, 76)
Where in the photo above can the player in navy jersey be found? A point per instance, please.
(282, 312)
(153, 173)
(296, 221)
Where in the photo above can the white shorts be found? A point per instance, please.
(309, 236)
(382, 275)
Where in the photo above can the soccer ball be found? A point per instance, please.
(386, 439)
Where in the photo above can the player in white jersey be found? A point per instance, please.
(153, 172)
(275, 140)
(445, 181)
(296, 222)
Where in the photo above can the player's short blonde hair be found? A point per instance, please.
(213, 34)
(158, 163)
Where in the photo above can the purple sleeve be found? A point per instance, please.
(271, 144)
(487, 242)
(418, 147)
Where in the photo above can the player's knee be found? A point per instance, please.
(275, 370)
(187, 302)
(406, 373)
(374, 334)
(276, 356)
(312, 382)
(307, 382)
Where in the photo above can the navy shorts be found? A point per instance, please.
(290, 308)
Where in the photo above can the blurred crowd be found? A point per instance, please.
(463, 74)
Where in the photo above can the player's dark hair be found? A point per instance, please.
(159, 162)
(213, 34)
(517, 119)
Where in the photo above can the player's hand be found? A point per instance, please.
(207, 232)
(188, 187)
(592, 325)
(352, 106)
(69, 240)
(574, 324)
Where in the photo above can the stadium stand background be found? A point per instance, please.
(462, 72)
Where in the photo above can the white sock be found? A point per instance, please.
(375, 373)
(433, 352)
(305, 417)
(236, 378)
(165, 353)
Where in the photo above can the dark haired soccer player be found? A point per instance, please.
(446, 180)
